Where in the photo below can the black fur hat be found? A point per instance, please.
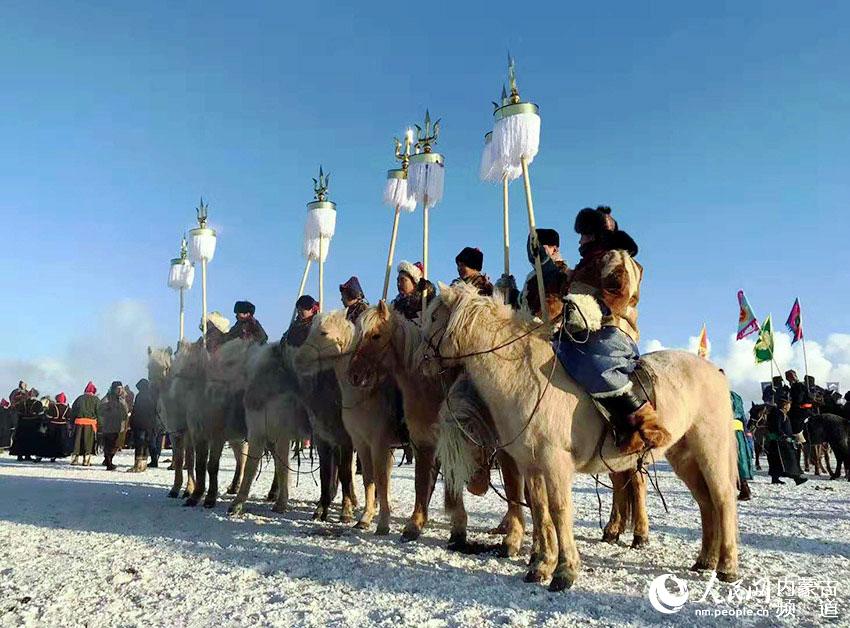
(591, 221)
(244, 307)
(471, 258)
(548, 237)
(306, 302)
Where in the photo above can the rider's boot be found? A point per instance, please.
(635, 422)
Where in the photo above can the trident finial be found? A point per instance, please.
(514, 97)
(202, 211)
(320, 185)
(403, 155)
(427, 136)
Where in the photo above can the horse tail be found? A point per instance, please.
(456, 455)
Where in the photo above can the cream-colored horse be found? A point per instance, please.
(184, 384)
(368, 414)
(553, 430)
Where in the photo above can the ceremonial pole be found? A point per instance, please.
(803, 338)
(397, 195)
(516, 141)
(426, 176)
(181, 275)
(318, 231)
(202, 241)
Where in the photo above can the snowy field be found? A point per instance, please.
(82, 546)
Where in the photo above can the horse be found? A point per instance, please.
(369, 414)
(216, 416)
(181, 378)
(552, 429)
(274, 415)
(832, 430)
(387, 343)
(320, 395)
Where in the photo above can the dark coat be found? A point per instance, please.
(248, 329)
(113, 413)
(781, 446)
(143, 418)
(479, 281)
(356, 309)
(298, 331)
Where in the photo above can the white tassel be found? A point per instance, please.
(396, 194)
(310, 249)
(515, 137)
(426, 180)
(488, 163)
(321, 222)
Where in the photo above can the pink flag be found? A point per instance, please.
(795, 322)
(747, 323)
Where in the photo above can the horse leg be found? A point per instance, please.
(367, 472)
(346, 478)
(189, 462)
(240, 452)
(177, 460)
(383, 467)
(454, 507)
(281, 474)
(216, 447)
(202, 451)
(274, 490)
(559, 488)
(424, 472)
(688, 470)
(758, 448)
(620, 510)
(327, 478)
(514, 520)
(718, 473)
(256, 447)
(543, 555)
(640, 518)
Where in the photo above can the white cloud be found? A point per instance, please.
(829, 362)
(115, 348)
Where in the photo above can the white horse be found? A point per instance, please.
(552, 429)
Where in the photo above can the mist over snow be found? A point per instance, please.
(828, 361)
(113, 347)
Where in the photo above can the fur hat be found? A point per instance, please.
(244, 307)
(142, 384)
(351, 289)
(91, 389)
(591, 221)
(306, 302)
(4, 403)
(414, 271)
(471, 258)
(548, 237)
(217, 320)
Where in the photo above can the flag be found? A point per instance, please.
(702, 347)
(795, 322)
(764, 345)
(747, 323)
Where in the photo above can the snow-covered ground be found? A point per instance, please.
(82, 546)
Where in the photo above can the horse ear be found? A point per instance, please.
(752, 404)
(447, 294)
(383, 310)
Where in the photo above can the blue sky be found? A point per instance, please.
(718, 133)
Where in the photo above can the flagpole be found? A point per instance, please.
(803, 338)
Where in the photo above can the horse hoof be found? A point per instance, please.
(533, 575)
(508, 550)
(209, 505)
(279, 508)
(190, 503)
(174, 494)
(727, 576)
(362, 525)
(457, 542)
(639, 541)
(232, 490)
(610, 537)
(700, 565)
(410, 534)
(235, 509)
(346, 518)
(561, 583)
(271, 497)
(187, 494)
(383, 529)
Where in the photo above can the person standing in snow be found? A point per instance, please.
(143, 424)
(781, 444)
(745, 448)
(85, 413)
(113, 414)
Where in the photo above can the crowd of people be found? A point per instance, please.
(46, 427)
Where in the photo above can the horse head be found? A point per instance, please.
(330, 338)
(373, 345)
(159, 364)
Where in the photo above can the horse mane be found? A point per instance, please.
(161, 356)
(190, 360)
(410, 332)
(337, 326)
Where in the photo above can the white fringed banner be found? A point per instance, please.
(397, 194)
(321, 222)
(181, 275)
(310, 249)
(515, 137)
(201, 244)
(425, 180)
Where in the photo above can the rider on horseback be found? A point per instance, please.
(604, 291)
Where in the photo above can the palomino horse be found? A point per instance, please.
(216, 417)
(369, 414)
(274, 416)
(388, 343)
(552, 429)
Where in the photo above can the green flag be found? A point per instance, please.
(764, 344)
